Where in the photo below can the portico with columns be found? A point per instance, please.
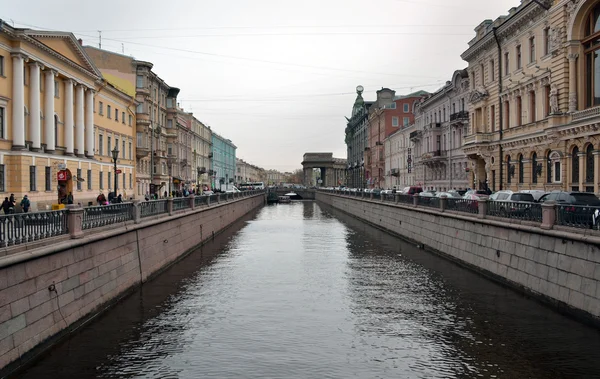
(49, 120)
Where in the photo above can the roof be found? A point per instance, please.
(419, 93)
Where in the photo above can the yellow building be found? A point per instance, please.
(535, 98)
(54, 121)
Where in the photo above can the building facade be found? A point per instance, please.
(248, 173)
(356, 141)
(201, 147)
(155, 115)
(442, 121)
(399, 158)
(222, 161)
(50, 96)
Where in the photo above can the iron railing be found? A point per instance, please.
(405, 199)
(200, 201)
(516, 210)
(94, 217)
(388, 197)
(578, 216)
(213, 198)
(153, 208)
(181, 203)
(426, 201)
(27, 227)
(462, 205)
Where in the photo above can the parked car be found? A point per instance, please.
(511, 203)
(536, 193)
(449, 194)
(412, 190)
(478, 193)
(576, 208)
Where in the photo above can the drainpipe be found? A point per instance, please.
(500, 110)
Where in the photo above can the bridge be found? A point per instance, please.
(303, 194)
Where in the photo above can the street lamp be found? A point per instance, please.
(115, 156)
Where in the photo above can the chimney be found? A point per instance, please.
(80, 41)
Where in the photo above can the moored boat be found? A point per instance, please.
(284, 199)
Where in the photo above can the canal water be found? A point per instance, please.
(301, 291)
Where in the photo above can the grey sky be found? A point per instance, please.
(276, 112)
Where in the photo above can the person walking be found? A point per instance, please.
(25, 204)
(6, 205)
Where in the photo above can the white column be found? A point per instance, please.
(89, 123)
(18, 103)
(79, 121)
(69, 117)
(35, 125)
(49, 135)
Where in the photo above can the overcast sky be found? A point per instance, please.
(276, 77)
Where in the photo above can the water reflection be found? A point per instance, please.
(303, 291)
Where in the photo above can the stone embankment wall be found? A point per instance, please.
(46, 291)
(559, 267)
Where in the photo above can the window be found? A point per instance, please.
(519, 57)
(507, 114)
(1, 65)
(108, 113)
(56, 88)
(575, 168)
(532, 106)
(100, 144)
(78, 179)
(89, 179)
(589, 164)
(531, 49)
(519, 111)
(548, 168)
(124, 180)
(123, 154)
(101, 108)
(506, 64)
(32, 179)
(546, 41)
(130, 120)
(116, 115)
(130, 151)
(108, 146)
(547, 100)
(139, 108)
(493, 118)
(534, 168)
(123, 117)
(509, 167)
(492, 70)
(405, 121)
(139, 82)
(48, 178)
(557, 171)
(592, 58)
(394, 121)
(482, 74)
(110, 182)
(405, 108)
(521, 169)
(170, 149)
(2, 181)
(169, 102)
(169, 124)
(130, 180)
(2, 121)
(101, 179)
(55, 130)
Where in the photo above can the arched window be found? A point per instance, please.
(575, 167)
(548, 168)
(521, 169)
(592, 57)
(510, 169)
(589, 164)
(534, 168)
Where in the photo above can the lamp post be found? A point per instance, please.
(115, 156)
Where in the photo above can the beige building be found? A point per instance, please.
(53, 120)
(194, 146)
(247, 172)
(534, 103)
(155, 113)
(399, 159)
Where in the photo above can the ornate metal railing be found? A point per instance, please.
(181, 203)
(213, 199)
(577, 216)
(516, 210)
(200, 201)
(426, 201)
(462, 205)
(94, 217)
(586, 113)
(153, 208)
(27, 227)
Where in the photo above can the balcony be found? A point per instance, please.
(586, 113)
(395, 172)
(141, 152)
(434, 125)
(477, 138)
(416, 135)
(459, 117)
(378, 143)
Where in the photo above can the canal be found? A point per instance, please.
(301, 291)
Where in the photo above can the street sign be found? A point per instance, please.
(119, 171)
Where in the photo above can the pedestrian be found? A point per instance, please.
(6, 206)
(70, 198)
(13, 203)
(25, 204)
(119, 199)
(101, 199)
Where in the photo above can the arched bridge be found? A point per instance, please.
(304, 194)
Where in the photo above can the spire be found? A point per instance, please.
(359, 103)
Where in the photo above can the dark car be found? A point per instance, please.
(580, 209)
